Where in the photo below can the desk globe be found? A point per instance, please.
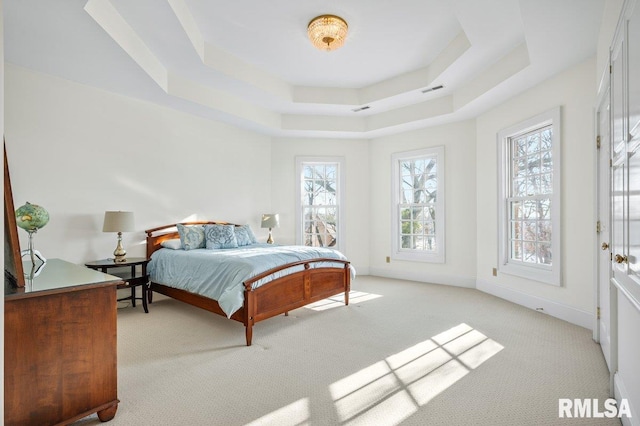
(32, 217)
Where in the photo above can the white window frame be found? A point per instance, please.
(398, 253)
(549, 274)
(340, 196)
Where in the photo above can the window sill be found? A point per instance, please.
(419, 257)
(532, 273)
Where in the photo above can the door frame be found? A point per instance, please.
(603, 92)
(603, 99)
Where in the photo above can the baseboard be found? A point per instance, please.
(456, 281)
(555, 309)
(620, 392)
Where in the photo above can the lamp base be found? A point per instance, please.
(270, 239)
(119, 254)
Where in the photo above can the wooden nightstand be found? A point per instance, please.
(131, 277)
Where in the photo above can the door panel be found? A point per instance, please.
(625, 103)
(633, 149)
(618, 162)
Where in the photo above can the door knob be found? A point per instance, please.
(620, 259)
(605, 246)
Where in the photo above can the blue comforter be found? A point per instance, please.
(219, 274)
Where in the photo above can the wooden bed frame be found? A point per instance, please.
(276, 297)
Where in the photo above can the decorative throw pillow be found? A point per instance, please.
(220, 236)
(252, 236)
(191, 237)
(242, 235)
(174, 244)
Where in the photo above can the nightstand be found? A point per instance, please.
(133, 277)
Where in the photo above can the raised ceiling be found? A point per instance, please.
(250, 63)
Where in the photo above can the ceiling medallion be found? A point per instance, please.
(327, 32)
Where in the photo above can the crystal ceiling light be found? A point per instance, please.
(327, 32)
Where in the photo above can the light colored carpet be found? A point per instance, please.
(401, 353)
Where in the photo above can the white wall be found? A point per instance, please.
(283, 179)
(459, 141)
(78, 151)
(574, 91)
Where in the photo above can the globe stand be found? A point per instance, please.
(32, 253)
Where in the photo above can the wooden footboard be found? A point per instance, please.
(312, 283)
(293, 291)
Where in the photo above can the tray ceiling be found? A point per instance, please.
(249, 63)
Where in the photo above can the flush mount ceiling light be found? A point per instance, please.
(327, 32)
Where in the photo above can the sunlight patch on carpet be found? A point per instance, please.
(338, 300)
(296, 413)
(391, 390)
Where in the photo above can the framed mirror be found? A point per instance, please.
(13, 271)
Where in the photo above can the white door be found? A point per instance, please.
(625, 152)
(603, 329)
(624, 219)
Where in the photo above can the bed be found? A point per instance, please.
(301, 277)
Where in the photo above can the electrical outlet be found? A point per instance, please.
(388, 259)
(495, 272)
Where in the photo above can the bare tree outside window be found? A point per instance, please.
(531, 188)
(320, 204)
(418, 193)
(529, 196)
(418, 205)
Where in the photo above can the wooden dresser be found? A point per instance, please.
(60, 348)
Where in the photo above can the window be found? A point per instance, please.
(529, 211)
(418, 205)
(320, 189)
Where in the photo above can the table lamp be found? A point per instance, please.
(117, 221)
(270, 220)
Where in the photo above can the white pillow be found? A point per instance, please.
(174, 244)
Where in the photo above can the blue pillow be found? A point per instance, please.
(252, 236)
(191, 237)
(220, 236)
(243, 236)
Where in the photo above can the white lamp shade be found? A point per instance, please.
(118, 222)
(270, 220)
